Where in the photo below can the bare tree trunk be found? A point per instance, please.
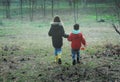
(31, 8)
(44, 7)
(21, 8)
(58, 5)
(1, 6)
(117, 9)
(84, 3)
(8, 8)
(70, 3)
(74, 12)
(6, 4)
(77, 8)
(1, 12)
(96, 13)
(52, 8)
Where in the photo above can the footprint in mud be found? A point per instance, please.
(4, 60)
(39, 75)
(13, 78)
(23, 72)
(22, 59)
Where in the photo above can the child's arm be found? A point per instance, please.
(69, 38)
(83, 41)
(65, 35)
(63, 32)
(50, 31)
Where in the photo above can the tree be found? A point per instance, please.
(75, 8)
(117, 9)
(21, 8)
(52, 7)
(117, 12)
(44, 7)
(58, 5)
(6, 4)
(116, 29)
(96, 12)
(70, 2)
(84, 3)
(31, 8)
(1, 6)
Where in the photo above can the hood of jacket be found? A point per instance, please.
(56, 23)
(76, 31)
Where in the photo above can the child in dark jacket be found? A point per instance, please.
(77, 40)
(57, 32)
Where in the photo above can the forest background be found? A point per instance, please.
(26, 52)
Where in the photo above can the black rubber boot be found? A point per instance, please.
(59, 61)
(74, 62)
(78, 60)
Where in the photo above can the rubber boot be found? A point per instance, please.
(78, 60)
(74, 62)
(56, 58)
(59, 59)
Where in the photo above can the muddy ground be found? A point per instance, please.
(106, 70)
(99, 67)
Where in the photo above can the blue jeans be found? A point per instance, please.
(58, 51)
(74, 53)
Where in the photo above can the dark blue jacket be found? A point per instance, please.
(57, 32)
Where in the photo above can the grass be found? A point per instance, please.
(32, 35)
(30, 55)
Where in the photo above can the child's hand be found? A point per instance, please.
(82, 48)
(65, 35)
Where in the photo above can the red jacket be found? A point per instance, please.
(76, 40)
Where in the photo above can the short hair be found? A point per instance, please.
(56, 19)
(76, 26)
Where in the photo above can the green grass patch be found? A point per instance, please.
(31, 52)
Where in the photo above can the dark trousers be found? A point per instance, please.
(75, 53)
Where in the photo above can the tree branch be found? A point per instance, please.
(116, 29)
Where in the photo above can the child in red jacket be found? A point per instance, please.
(77, 40)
